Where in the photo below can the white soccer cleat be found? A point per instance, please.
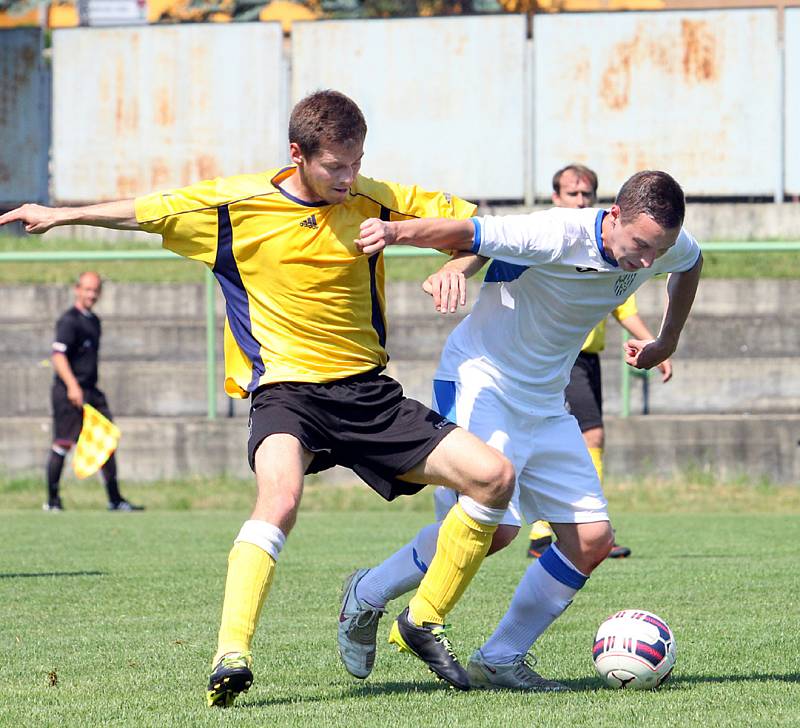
(358, 629)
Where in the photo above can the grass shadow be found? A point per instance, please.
(30, 575)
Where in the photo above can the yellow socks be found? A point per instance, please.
(460, 550)
(597, 458)
(251, 566)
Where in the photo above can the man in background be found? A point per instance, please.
(575, 186)
(75, 354)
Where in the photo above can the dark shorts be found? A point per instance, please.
(67, 418)
(362, 422)
(584, 392)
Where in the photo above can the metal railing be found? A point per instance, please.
(57, 256)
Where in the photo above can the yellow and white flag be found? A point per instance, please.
(98, 439)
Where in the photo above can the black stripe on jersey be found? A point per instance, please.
(383, 207)
(378, 322)
(210, 207)
(237, 306)
(377, 315)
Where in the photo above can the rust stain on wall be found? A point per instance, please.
(206, 167)
(616, 79)
(159, 174)
(165, 112)
(128, 186)
(699, 51)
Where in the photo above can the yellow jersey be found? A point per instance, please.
(302, 304)
(596, 340)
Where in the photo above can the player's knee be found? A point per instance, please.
(503, 536)
(497, 481)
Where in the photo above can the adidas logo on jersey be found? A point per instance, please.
(310, 223)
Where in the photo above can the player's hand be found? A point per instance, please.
(448, 288)
(35, 218)
(647, 354)
(666, 370)
(75, 396)
(375, 236)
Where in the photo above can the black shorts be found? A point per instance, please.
(363, 422)
(67, 418)
(584, 392)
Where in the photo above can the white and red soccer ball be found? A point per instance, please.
(634, 649)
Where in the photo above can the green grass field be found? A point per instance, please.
(110, 619)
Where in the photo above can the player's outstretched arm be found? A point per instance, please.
(681, 290)
(429, 232)
(448, 285)
(37, 219)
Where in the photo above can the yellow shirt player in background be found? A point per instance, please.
(305, 336)
(576, 186)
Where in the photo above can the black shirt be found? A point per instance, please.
(78, 338)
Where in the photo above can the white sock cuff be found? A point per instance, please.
(267, 537)
(480, 513)
(565, 560)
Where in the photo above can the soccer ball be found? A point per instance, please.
(634, 649)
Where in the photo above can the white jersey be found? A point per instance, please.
(549, 285)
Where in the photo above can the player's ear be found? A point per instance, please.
(296, 154)
(615, 212)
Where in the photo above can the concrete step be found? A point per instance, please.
(166, 389)
(159, 389)
(166, 340)
(164, 448)
(409, 337)
(44, 302)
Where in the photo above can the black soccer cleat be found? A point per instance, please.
(538, 546)
(619, 552)
(53, 504)
(430, 644)
(232, 675)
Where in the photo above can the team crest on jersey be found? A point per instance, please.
(623, 283)
(310, 223)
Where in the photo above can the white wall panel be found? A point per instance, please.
(693, 93)
(443, 97)
(792, 100)
(138, 109)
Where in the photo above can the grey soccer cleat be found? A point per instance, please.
(358, 629)
(518, 675)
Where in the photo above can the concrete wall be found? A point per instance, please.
(732, 404)
(738, 353)
(164, 448)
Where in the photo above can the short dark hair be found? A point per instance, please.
(580, 171)
(326, 116)
(654, 194)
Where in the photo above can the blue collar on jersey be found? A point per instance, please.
(297, 200)
(598, 234)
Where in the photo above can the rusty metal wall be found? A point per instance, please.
(792, 100)
(138, 109)
(443, 97)
(24, 122)
(694, 93)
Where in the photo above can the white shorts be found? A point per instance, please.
(556, 479)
